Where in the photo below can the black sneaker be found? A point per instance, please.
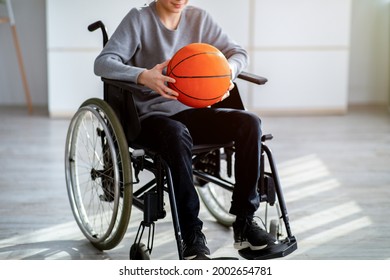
(247, 233)
(194, 246)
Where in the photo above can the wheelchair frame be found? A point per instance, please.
(111, 179)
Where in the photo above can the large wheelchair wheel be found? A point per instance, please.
(217, 199)
(98, 174)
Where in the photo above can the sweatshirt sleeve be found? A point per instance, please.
(236, 55)
(114, 60)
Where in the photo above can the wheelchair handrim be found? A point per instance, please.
(80, 213)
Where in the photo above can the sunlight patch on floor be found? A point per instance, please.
(309, 185)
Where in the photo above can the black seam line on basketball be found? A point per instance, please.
(200, 77)
(191, 56)
(203, 99)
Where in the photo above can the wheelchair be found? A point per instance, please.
(103, 167)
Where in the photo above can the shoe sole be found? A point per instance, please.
(198, 257)
(246, 244)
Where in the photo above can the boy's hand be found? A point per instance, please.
(227, 94)
(155, 80)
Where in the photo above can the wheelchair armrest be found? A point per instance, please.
(130, 86)
(246, 76)
(118, 94)
(234, 101)
(252, 78)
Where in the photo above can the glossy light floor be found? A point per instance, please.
(335, 172)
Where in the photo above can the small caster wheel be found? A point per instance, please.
(139, 252)
(274, 229)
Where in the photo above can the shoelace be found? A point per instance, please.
(253, 227)
(196, 237)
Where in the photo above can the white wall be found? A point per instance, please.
(286, 45)
(302, 46)
(30, 25)
(292, 44)
(369, 67)
(72, 49)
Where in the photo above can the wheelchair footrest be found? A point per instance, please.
(282, 249)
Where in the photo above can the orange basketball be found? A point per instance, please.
(202, 75)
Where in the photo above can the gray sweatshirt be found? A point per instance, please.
(141, 41)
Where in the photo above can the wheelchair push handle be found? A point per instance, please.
(96, 25)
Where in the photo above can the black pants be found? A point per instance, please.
(173, 137)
